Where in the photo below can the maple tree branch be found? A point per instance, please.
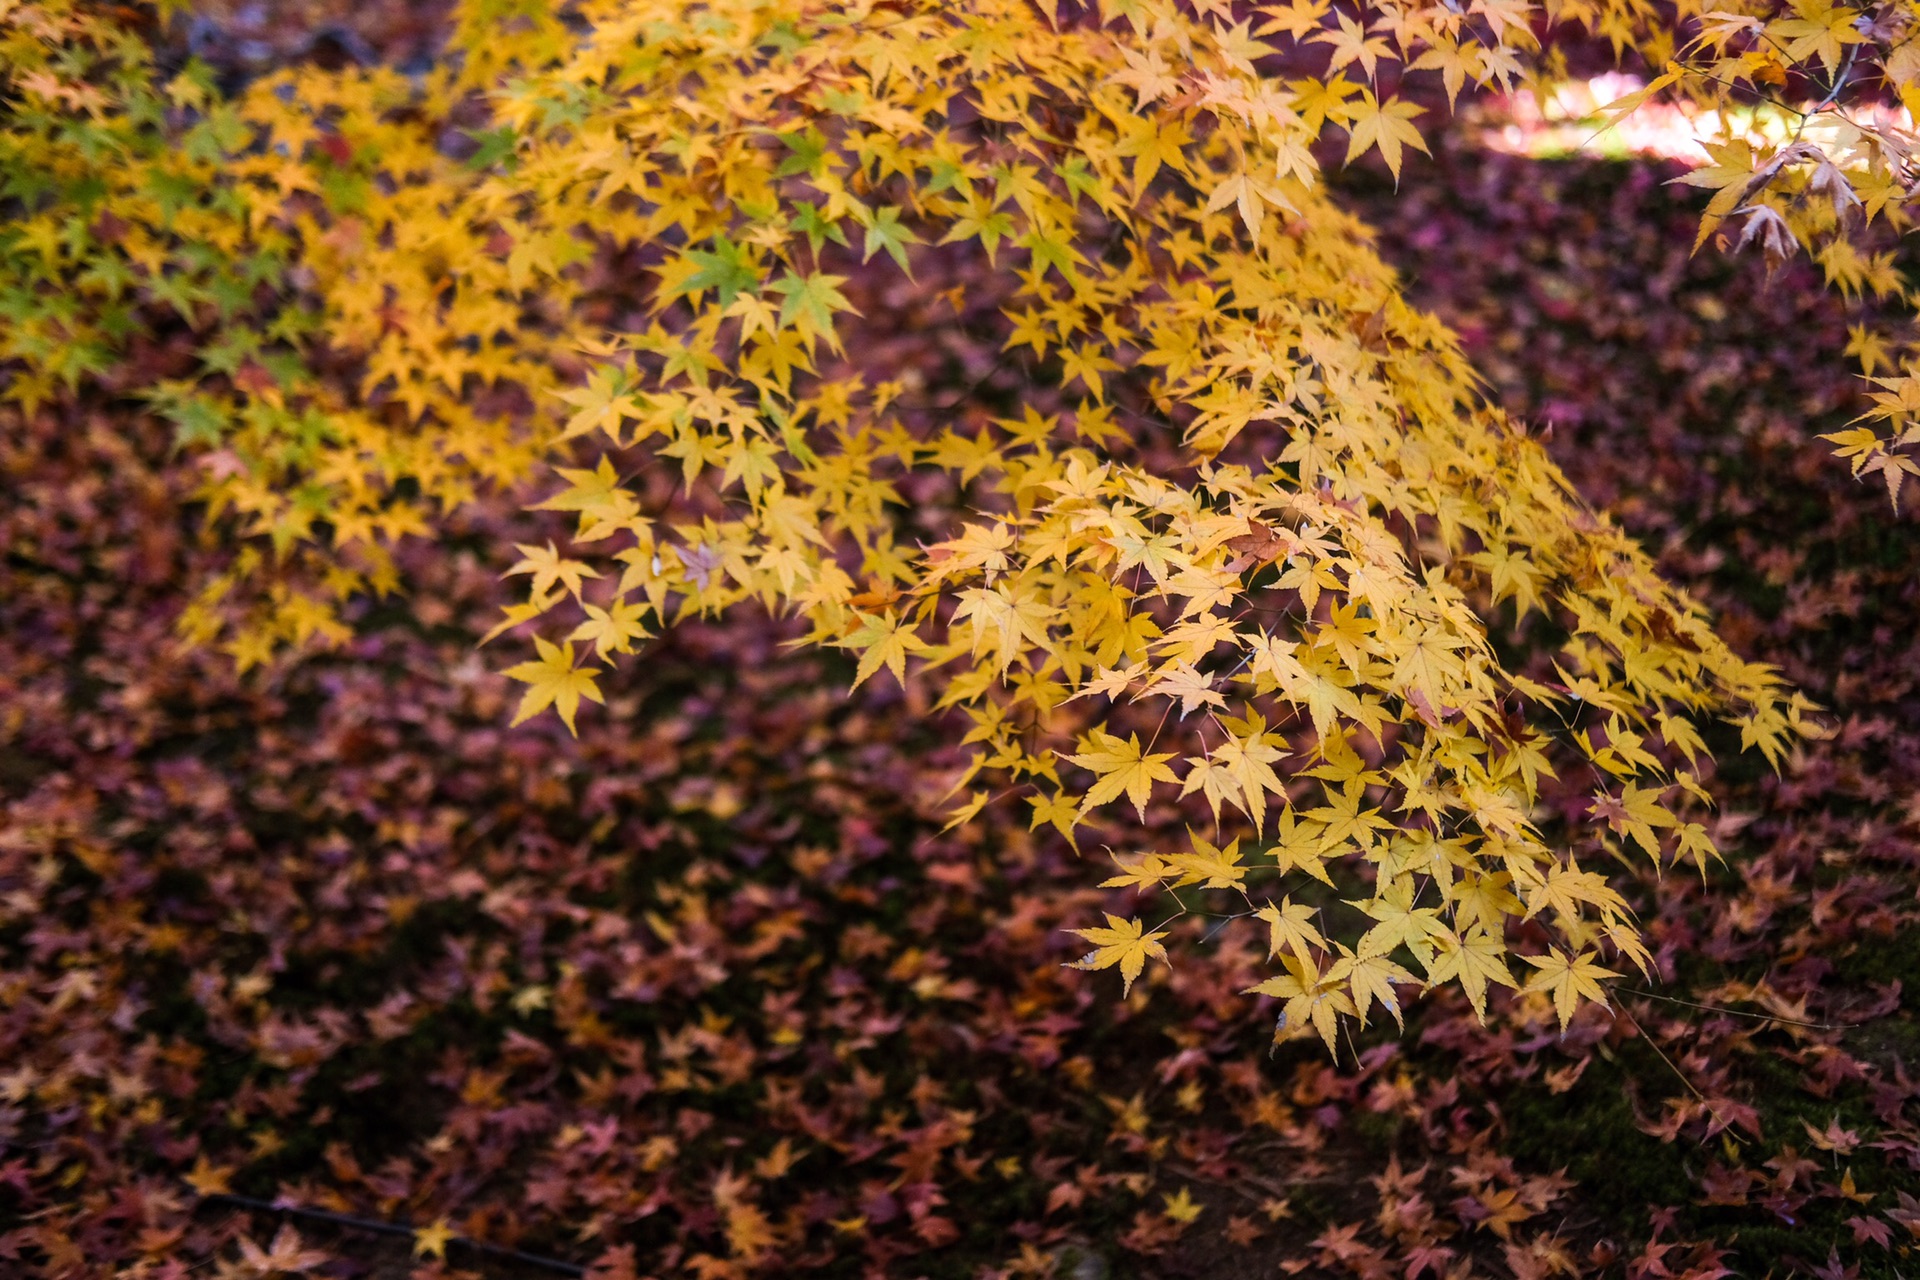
(1839, 81)
(1760, 95)
(1838, 86)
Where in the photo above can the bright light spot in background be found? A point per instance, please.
(1569, 122)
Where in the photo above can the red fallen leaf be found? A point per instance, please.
(1707, 1264)
(1724, 1113)
(1792, 1167)
(1834, 1269)
(1342, 1244)
(1495, 1208)
(286, 1254)
(1371, 329)
(1726, 1186)
(335, 148)
(109, 228)
(1608, 809)
(253, 376)
(1150, 1233)
(1541, 1258)
(1064, 1195)
(1832, 1138)
(879, 1207)
(1564, 1078)
(1258, 546)
(1428, 1259)
(156, 1241)
(1907, 1214)
(1423, 707)
(617, 1263)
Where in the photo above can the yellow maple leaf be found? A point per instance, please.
(209, 1179)
(1315, 1001)
(1387, 126)
(1181, 1206)
(548, 567)
(431, 1241)
(1208, 867)
(1819, 30)
(883, 640)
(1013, 618)
(1056, 809)
(1122, 767)
(612, 630)
(1300, 845)
(554, 681)
(1213, 779)
(1291, 927)
(1138, 871)
(1568, 979)
(1181, 681)
(1400, 923)
(1122, 943)
(1565, 888)
(1472, 961)
(1370, 978)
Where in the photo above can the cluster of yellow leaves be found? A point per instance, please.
(268, 226)
(1807, 157)
(1302, 603)
(1281, 614)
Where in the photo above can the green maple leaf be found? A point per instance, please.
(811, 300)
(1053, 248)
(885, 232)
(197, 421)
(816, 226)
(809, 153)
(725, 268)
(497, 146)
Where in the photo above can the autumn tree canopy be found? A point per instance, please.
(1253, 533)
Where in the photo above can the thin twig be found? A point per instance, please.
(941, 410)
(1239, 1183)
(377, 1227)
(1691, 1087)
(1840, 80)
(1741, 1013)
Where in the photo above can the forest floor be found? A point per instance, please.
(708, 991)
